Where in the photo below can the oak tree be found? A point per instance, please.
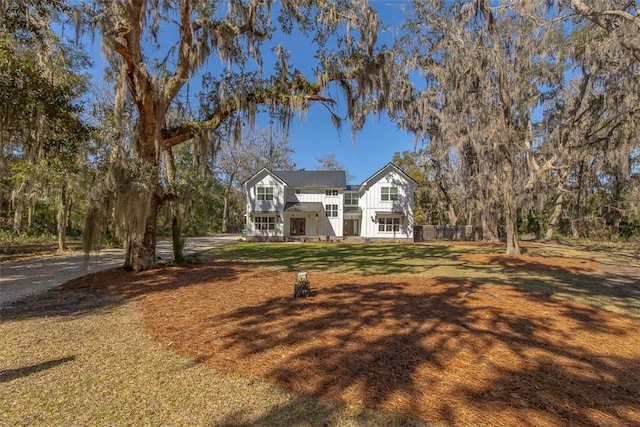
(160, 46)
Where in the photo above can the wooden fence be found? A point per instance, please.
(446, 232)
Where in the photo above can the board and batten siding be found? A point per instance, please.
(332, 226)
(275, 205)
(371, 203)
(327, 226)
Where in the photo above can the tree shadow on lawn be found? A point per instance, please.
(304, 410)
(608, 286)
(366, 259)
(442, 351)
(7, 375)
(111, 288)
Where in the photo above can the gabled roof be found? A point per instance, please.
(313, 179)
(259, 173)
(324, 179)
(384, 168)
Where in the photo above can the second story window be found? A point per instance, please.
(389, 194)
(331, 192)
(351, 199)
(332, 210)
(265, 193)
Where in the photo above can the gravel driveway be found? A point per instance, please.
(19, 279)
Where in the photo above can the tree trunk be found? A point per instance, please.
(63, 216)
(488, 219)
(617, 201)
(510, 210)
(575, 220)
(225, 209)
(30, 210)
(451, 213)
(489, 227)
(174, 208)
(555, 217)
(141, 241)
(176, 232)
(17, 218)
(511, 224)
(141, 244)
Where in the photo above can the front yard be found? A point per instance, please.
(392, 334)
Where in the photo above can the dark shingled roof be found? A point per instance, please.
(352, 209)
(382, 213)
(303, 207)
(313, 179)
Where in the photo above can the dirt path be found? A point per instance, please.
(22, 278)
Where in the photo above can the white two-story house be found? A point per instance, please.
(311, 205)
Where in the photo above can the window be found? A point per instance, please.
(265, 223)
(389, 224)
(389, 194)
(351, 199)
(332, 210)
(265, 193)
(298, 191)
(331, 192)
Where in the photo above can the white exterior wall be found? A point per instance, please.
(333, 225)
(275, 205)
(370, 203)
(306, 195)
(327, 226)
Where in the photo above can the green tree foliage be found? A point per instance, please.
(153, 72)
(42, 138)
(528, 112)
(480, 95)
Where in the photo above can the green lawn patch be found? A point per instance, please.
(364, 259)
(544, 268)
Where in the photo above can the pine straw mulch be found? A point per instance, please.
(536, 263)
(444, 352)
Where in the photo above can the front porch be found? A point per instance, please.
(352, 226)
(302, 221)
(308, 238)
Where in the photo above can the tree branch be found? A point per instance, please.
(585, 10)
(181, 74)
(186, 131)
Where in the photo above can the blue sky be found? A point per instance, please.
(314, 135)
(374, 146)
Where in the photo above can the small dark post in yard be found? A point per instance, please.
(302, 287)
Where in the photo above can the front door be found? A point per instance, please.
(298, 226)
(351, 227)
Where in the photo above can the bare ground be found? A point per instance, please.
(443, 351)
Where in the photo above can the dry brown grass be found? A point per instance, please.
(444, 351)
(80, 358)
(456, 335)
